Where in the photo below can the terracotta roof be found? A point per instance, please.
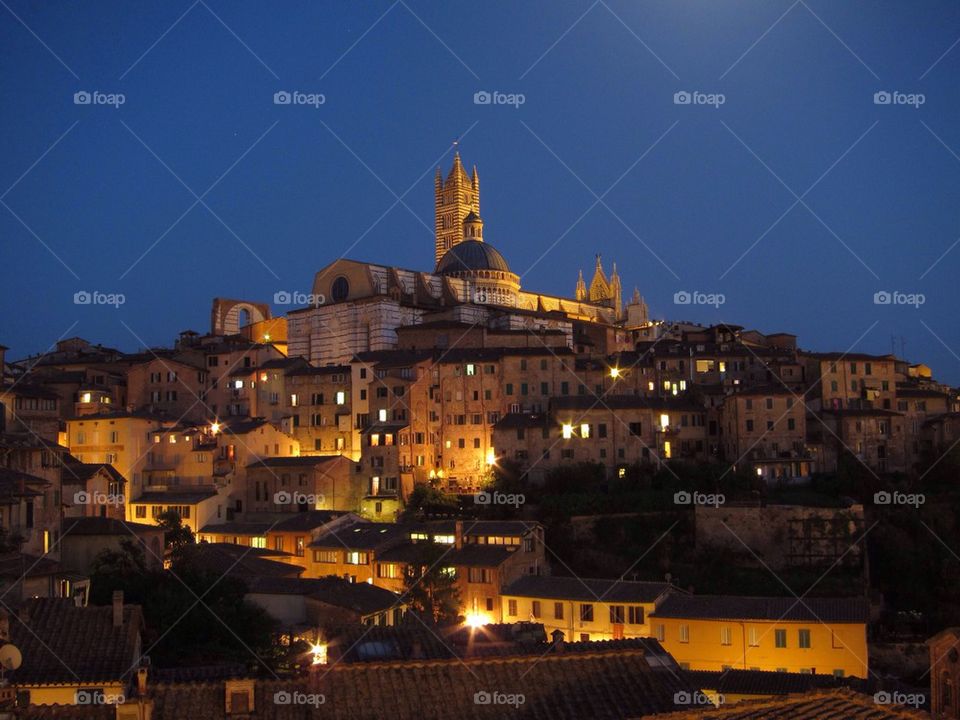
(362, 598)
(359, 536)
(760, 682)
(298, 461)
(597, 685)
(104, 526)
(63, 643)
(569, 588)
(817, 705)
(180, 497)
(240, 561)
(838, 610)
(308, 520)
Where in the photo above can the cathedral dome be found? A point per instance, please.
(471, 255)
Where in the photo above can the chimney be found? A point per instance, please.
(557, 637)
(118, 608)
(141, 681)
(458, 534)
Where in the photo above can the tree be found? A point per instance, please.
(176, 535)
(428, 498)
(431, 588)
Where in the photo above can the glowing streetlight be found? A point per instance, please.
(319, 653)
(214, 428)
(491, 457)
(614, 372)
(476, 620)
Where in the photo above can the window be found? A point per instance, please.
(471, 369)
(558, 611)
(803, 638)
(753, 637)
(535, 608)
(586, 612)
(635, 615)
(341, 397)
(299, 545)
(661, 632)
(356, 558)
(780, 638)
(511, 604)
(141, 511)
(388, 570)
(616, 614)
(726, 635)
(684, 633)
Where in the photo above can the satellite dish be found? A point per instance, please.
(10, 657)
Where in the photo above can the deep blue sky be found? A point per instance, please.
(200, 98)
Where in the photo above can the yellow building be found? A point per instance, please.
(718, 632)
(584, 609)
(59, 670)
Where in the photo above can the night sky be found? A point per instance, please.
(798, 198)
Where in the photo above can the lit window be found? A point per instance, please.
(584, 430)
(471, 369)
(85, 398)
(666, 449)
(294, 400)
(238, 384)
(664, 421)
(650, 386)
(444, 539)
(622, 473)
(382, 415)
(341, 397)
(567, 432)
(173, 439)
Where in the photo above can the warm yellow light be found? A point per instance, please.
(650, 385)
(491, 457)
(584, 430)
(759, 471)
(614, 372)
(214, 428)
(433, 474)
(319, 653)
(85, 398)
(567, 431)
(267, 337)
(664, 421)
(666, 449)
(476, 620)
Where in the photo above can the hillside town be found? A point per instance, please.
(540, 505)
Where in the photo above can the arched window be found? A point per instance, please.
(245, 317)
(340, 289)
